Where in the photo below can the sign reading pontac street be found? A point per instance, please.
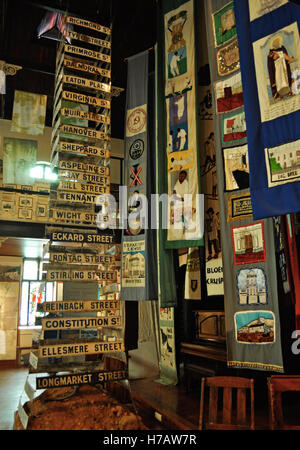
(80, 379)
(81, 258)
(79, 306)
(85, 348)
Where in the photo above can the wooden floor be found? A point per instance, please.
(161, 407)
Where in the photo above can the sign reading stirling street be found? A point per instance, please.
(80, 379)
(80, 275)
(79, 306)
(74, 323)
(85, 348)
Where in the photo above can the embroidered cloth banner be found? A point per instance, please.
(249, 264)
(268, 35)
(29, 113)
(182, 167)
(139, 268)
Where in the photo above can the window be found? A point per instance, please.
(34, 291)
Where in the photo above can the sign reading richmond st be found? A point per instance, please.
(80, 379)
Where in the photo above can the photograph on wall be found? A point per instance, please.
(224, 24)
(19, 156)
(236, 167)
(258, 8)
(277, 65)
(252, 286)
(255, 327)
(239, 207)
(248, 243)
(9, 272)
(283, 163)
(234, 129)
(229, 93)
(133, 264)
(29, 113)
(228, 59)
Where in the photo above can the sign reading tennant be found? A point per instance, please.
(80, 379)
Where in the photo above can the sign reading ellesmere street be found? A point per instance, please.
(76, 349)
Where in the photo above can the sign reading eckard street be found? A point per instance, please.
(79, 306)
(80, 379)
(68, 236)
(74, 323)
(76, 349)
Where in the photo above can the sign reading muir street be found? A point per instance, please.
(80, 379)
(79, 306)
(88, 39)
(83, 187)
(84, 149)
(84, 67)
(87, 24)
(74, 323)
(81, 258)
(76, 349)
(80, 51)
(85, 82)
(87, 99)
(80, 275)
(79, 114)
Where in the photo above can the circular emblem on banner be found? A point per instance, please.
(136, 149)
(136, 120)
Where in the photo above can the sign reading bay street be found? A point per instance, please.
(74, 323)
(76, 349)
(80, 379)
(86, 177)
(79, 306)
(81, 275)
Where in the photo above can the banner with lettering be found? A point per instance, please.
(29, 113)
(248, 245)
(182, 162)
(268, 35)
(139, 273)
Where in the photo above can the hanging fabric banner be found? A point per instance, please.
(192, 288)
(138, 275)
(248, 248)
(182, 165)
(270, 65)
(209, 187)
(29, 113)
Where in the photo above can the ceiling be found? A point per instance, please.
(133, 30)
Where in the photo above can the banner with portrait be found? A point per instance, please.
(29, 113)
(270, 65)
(19, 157)
(182, 171)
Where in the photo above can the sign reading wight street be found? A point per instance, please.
(76, 349)
(79, 306)
(80, 379)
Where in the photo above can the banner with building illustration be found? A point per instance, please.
(270, 67)
(138, 271)
(182, 164)
(253, 337)
(29, 113)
